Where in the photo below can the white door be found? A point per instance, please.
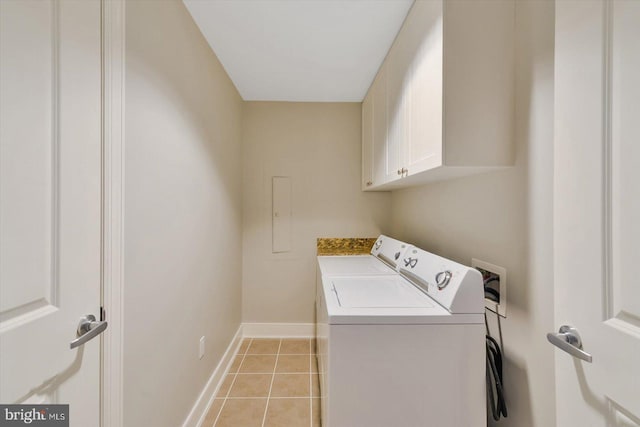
(597, 210)
(50, 203)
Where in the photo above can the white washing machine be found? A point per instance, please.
(404, 349)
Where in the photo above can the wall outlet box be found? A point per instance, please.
(201, 348)
(495, 282)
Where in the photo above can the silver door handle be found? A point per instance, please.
(568, 339)
(87, 329)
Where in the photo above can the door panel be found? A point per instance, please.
(50, 201)
(625, 159)
(397, 105)
(424, 144)
(597, 183)
(379, 98)
(27, 215)
(367, 141)
(622, 111)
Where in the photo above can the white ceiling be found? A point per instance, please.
(300, 50)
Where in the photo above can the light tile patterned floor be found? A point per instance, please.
(271, 383)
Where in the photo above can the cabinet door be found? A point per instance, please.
(367, 141)
(379, 98)
(423, 150)
(397, 105)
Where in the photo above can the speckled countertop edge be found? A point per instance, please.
(345, 246)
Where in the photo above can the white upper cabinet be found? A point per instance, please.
(449, 95)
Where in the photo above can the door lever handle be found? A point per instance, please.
(87, 329)
(568, 339)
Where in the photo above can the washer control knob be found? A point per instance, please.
(410, 262)
(442, 279)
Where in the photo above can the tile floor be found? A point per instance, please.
(271, 383)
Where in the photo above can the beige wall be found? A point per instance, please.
(506, 218)
(182, 213)
(319, 146)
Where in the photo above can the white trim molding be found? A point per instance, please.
(205, 400)
(113, 70)
(279, 330)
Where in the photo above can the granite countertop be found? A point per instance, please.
(345, 246)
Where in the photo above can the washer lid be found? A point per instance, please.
(384, 292)
(352, 265)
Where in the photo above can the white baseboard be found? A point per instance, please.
(279, 330)
(200, 408)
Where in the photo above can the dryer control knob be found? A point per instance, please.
(442, 279)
